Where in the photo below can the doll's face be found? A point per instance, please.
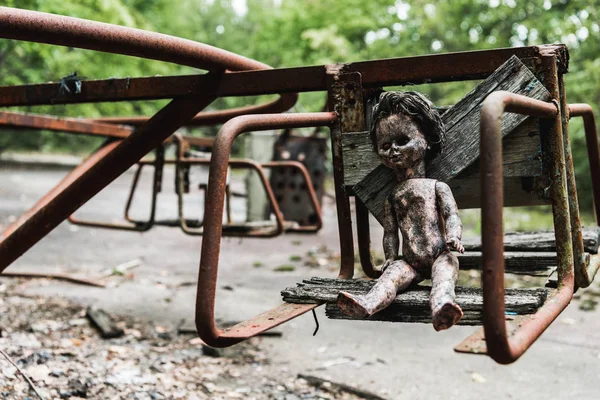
(400, 142)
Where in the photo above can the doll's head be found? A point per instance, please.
(406, 129)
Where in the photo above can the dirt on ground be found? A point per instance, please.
(53, 343)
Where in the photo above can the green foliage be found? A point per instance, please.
(294, 33)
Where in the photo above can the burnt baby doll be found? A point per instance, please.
(406, 131)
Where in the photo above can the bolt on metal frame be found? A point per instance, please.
(344, 84)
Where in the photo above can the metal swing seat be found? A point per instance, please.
(349, 87)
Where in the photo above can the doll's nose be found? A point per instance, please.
(395, 148)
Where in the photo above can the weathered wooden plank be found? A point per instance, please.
(412, 305)
(517, 262)
(520, 154)
(517, 192)
(537, 241)
(105, 324)
(462, 125)
(462, 120)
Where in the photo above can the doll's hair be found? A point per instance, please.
(415, 106)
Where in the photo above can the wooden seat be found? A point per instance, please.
(412, 305)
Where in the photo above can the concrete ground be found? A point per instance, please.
(398, 361)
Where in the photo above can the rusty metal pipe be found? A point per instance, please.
(71, 177)
(500, 347)
(131, 225)
(591, 139)
(58, 124)
(47, 28)
(282, 104)
(376, 73)
(213, 214)
(34, 26)
(237, 163)
(81, 126)
(363, 235)
(98, 175)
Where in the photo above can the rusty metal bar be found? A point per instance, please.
(363, 235)
(80, 33)
(500, 347)
(213, 222)
(34, 26)
(96, 176)
(81, 126)
(346, 98)
(61, 186)
(138, 226)
(207, 118)
(580, 267)
(591, 139)
(395, 71)
(70, 125)
(257, 233)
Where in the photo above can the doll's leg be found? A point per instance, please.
(396, 277)
(444, 274)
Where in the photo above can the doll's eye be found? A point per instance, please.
(402, 141)
(386, 146)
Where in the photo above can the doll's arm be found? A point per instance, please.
(391, 239)
(449, 211)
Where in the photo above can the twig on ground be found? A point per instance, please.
(121, 268)
(57, 276)
(333, 386)
(22, 373)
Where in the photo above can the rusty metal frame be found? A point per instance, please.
(584, 275)
(213, 223)
(586, 112)
(232, 75)
(130, 224)
(112, 160)
(499, 346)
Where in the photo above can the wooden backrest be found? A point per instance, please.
(523, 149)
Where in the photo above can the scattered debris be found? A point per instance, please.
(57, 276)
(101, 320)
(284, 268)
(334, 387)
(257, 264)
(295, 258)
(121, 269)
(478, 378)
(71, 361)
(31, 385)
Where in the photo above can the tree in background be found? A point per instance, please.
(295, 33)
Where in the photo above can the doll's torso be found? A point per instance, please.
(417, 212)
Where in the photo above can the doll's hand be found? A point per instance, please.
(454, 244)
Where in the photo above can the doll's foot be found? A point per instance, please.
(446, 316)
(352, 305)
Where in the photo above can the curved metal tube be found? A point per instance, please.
(591, 139)
(213, 215)
(238, 163)
(500, 347)
(282, 104)
(132, 225)
(34, 26)
(48, 28)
